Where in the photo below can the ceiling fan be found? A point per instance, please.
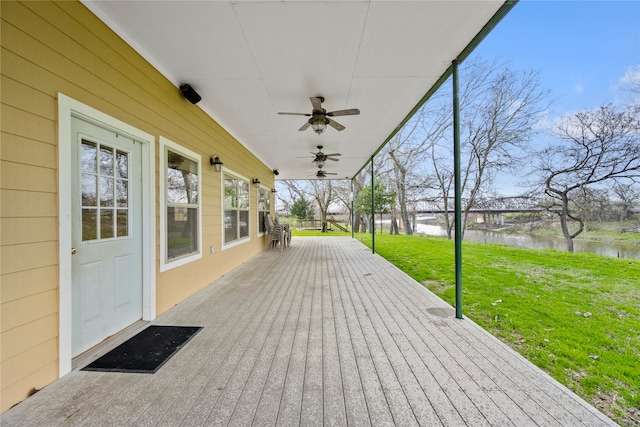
(320, 118)
(322, 174)
(320, 158)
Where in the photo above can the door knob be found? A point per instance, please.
(73, 251)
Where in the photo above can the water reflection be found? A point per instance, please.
(538, 242)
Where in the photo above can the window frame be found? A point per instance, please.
(239, 240)
(258, 210)
(165, 146)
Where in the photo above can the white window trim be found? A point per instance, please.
(68, 107)
(164, 145)
(243, 178)
(261, 233)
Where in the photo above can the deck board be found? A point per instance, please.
(323, 333)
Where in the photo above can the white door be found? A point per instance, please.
(106, 233)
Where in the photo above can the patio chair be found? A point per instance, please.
(286, 230)
(275, 233)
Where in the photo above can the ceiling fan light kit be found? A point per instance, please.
(318, 124)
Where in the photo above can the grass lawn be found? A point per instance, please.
(296, 232)
(576, 316)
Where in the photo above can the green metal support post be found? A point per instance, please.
(458, 190)
(352, 213)
(373, 213)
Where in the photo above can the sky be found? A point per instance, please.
(582, 48)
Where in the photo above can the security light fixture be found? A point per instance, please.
(190, 93)
(256, 182)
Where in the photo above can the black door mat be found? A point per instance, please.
(145, 352)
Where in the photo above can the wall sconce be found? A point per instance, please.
(216, 163)
(274, 191)
(190, 93)
(256, 182)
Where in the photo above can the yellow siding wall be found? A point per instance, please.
(52, 47)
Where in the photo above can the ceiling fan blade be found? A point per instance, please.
(316, 102)
(333, 154)
(336, 125)
(349, 112)
(295, 114)
(335, 160)
(305, 126)
(330, 173)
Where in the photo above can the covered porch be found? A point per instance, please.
(323, 333)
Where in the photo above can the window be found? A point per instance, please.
(264, 207)
(181, 206)
(105, 192)
(236, 208)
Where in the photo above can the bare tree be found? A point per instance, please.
(628, 195)
(498, 107)
(594, 147)
(320, 190)
(408, 148)
(342, 194)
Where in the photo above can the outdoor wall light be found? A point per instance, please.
(274, 191)
(256, 182)
(216, 163)
(190, 93)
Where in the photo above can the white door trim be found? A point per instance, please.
(68, 108)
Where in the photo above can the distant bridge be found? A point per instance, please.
(497, 205)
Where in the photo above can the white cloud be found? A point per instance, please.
(632, 76)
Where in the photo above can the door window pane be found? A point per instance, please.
(106, 191)
(106, 160)
(89, 190)
(122, 222)
(122, 164)
(89, 224)
(106, 223)
(122, 193)
(88, 156)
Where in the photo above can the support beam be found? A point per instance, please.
(352, 213)
(458, 190)
(373, 213)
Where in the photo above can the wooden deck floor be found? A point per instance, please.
(322, 333)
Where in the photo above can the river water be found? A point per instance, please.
(537, 242)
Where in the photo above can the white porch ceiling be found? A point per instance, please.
(251, 59)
